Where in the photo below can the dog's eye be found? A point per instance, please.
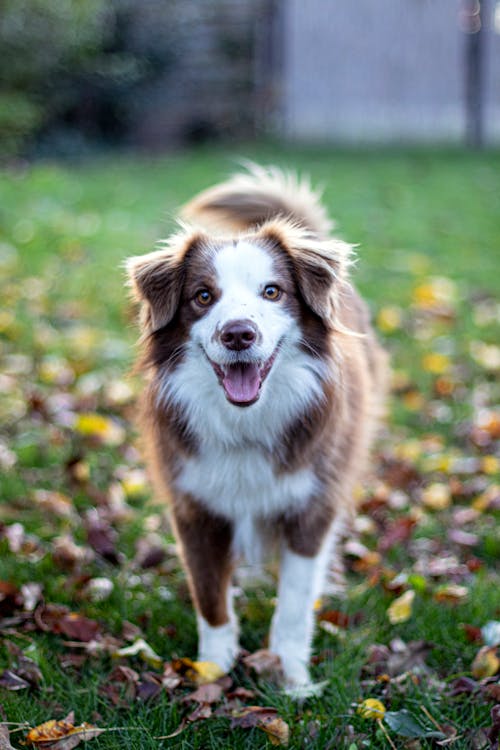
(203, 297)
(272, 292)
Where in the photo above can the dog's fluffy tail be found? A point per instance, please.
(253, 197)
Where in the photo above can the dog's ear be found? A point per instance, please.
(319, 265)
(157, 278)
(316, 279)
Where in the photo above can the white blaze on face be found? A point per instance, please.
(242, 272)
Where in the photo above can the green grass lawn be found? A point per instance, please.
(428, 228)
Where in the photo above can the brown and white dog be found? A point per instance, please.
(264, 385)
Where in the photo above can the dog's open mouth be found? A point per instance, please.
(242, 381)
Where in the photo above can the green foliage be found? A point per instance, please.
(39, 41)
(20, 116)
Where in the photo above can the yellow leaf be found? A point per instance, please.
(434, 293)
(436, 496)
(134, 482)
(371, 708)
(413, 400)
(409, 450)
(490, 465)
(436, 363)
(98, 426)
(206, 671)
(486, 662)
(400, 609)
(389, 319)
(483, 501)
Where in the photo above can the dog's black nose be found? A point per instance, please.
(238, 334)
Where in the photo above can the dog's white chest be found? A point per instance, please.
(241, 481)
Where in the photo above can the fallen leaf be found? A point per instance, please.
(78, 627)
(451, 593)
(101, 536)
(436, 363)
(264, 718)
(142, 649)
(486, 662)
(398, 531)
(463, 685)
(9, 680)
(241, 693)
(5, 738)
(398, 658)
(401, 608)
(203, 672)
(61, 735)
(264, 663)
(436, 496)
(51, 501)
(371, 708)
(170, 679)
(149, 687)
(210, 692)
(407, 725)
(10, 598)
(472, 633)
(340, 619)
(464, 538)
(202, 711)
(389, 319)
(102, 428)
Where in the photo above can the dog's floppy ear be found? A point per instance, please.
(157, 278)
(319, 265)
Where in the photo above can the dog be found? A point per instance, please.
(265, 383)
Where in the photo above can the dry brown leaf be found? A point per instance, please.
(202, 711)
(451, 593)
(78, 627)
(265, 718)
(210, 692)
(61, 735)
(4, 738)
(9, 680)
(265, 663)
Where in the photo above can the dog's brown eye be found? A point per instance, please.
(272, 292)
(203, 297)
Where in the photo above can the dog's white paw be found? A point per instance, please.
(218, 644)
(295, 671)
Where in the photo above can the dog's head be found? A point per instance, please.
(236, 304)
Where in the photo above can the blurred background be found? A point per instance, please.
(155, 75)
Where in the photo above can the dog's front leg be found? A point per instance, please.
(206, 549)
(301, 581)
(309, 539)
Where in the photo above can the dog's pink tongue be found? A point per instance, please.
(242, 382)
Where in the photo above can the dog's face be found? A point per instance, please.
(236, 305)
(242, 300)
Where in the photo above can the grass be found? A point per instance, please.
(66, 345)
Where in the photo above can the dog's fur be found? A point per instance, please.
(264, 386)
